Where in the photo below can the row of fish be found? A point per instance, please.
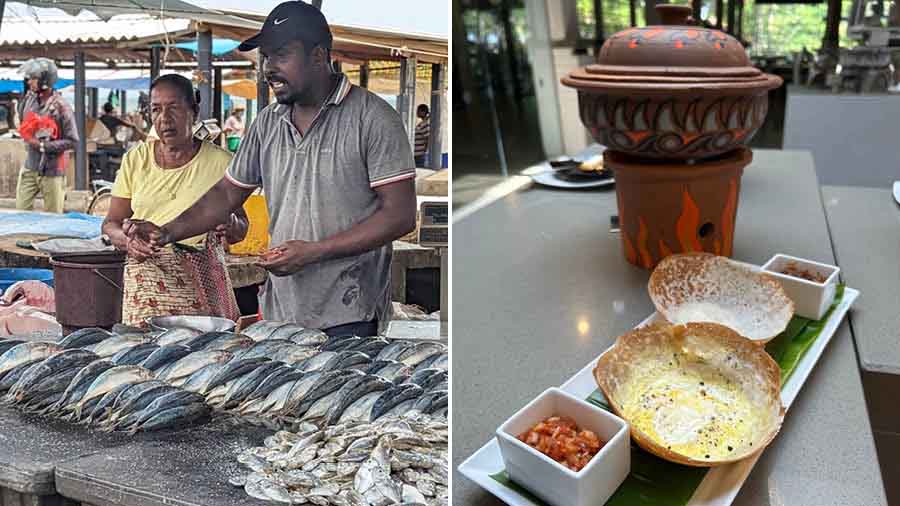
(279, 382)
(395, 460)
(113, 381)
(80, 386)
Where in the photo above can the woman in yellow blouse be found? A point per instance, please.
(157, 181)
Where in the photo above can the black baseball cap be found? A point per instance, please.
(289, 21)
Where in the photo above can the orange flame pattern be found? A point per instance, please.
(688, 223)
(729, 214)
(646, 258)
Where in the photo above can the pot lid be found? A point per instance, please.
(674, 54)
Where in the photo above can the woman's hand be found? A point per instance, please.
(139, 250)
(234, 230)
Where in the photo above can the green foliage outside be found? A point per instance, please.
(771, 29)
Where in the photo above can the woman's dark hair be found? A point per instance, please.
(108, 108)
(183, 86)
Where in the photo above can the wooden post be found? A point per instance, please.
(831, 40)
(437, 103)
(720, 8)
(696, 6)
(81, 160)
(262, 87)
(632, 13)
(204, 63)
(650, 15)
(154, 63)
(364, 75)
(407, 99)
(740, 20)
(217, 95)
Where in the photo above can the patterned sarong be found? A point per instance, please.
(180, 280)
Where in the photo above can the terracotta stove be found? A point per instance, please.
(675, 106)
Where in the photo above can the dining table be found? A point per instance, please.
(541, 287)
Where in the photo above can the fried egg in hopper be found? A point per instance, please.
(700, 287)
(696, 394)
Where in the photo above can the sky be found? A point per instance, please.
(418, 16)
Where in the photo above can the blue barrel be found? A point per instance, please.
(12, 275)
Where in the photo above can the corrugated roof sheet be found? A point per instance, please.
(25, 25)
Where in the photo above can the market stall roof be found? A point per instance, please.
(116, 31)
(356, 44)
(34, 30)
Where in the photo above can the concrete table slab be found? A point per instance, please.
(865, 230)
(542, 287)
(188, 468)
(32, 447)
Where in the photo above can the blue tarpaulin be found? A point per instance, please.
(219, 46)
(78, 225)
(139, 83)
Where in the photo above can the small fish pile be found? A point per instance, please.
(81, 386)
(395, 460)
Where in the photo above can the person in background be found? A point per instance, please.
(336, 166)
(157, 181)
(48, 128)
(113, 122)
(423, 134)
(234, 124)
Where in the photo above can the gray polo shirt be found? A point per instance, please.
(318, 185)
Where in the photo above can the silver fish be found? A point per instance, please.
(316, 362)
(113, 377)
(84, 337)
(134, 355)
(165, 355)
(112, 345)
(351, 391)
(263, 329)
(178, 335)
(26, 352)
(192, 363)
(309, 337)
(419, 352)
(394, 350)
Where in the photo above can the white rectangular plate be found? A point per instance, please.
(722, 483)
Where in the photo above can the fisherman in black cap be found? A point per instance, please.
(336, 166)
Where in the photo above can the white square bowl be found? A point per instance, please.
(811, 299)
(551, 481)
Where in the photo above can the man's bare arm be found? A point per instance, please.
(213, 208)
(395, 218)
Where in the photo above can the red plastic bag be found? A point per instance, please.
(36, 127)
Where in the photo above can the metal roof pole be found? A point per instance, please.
(93, 101)
(81, 161)
(437, 103)
(217, 95)
(262, 87)
(204, 60)
(123, 99)
(317, 4)
(406, 102)
(364, 75)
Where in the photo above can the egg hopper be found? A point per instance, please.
(711, 375)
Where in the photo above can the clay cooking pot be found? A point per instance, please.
(674, 92)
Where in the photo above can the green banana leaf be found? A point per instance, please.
(657, 482)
